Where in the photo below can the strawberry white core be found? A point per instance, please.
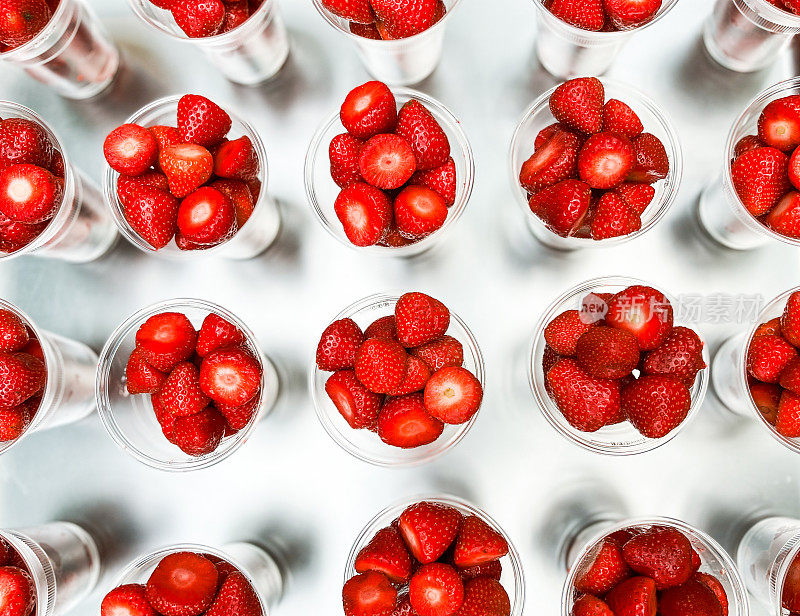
(20, 190)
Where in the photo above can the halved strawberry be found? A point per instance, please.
(358, 11)
(216, 333)
(690, 599)
(766, 397)
(127, 600)
(141, 377)
(436, 589)
(453, 395)
(383, 327)
(603, 570)
(605, 160)
(369, 594)
(187, 167)
(381, 365)
(130, 149)
(643, 311)
(202, 121)
(578, 103)
(368, 110)
(563, 207)
(652, 162)
(656, 404)
(417, 375)
(24, 142)
(478, 543)
(779, 123)
(129, 185)
(760, 178)
(166, 339)
(790, 319)
(386, 553)
(17, 592)
(358, 405)
(236, 159)
(236, 597)
(441, 180)
(608, 353)
(637, 196)
(429, 142)
(587, 403)
(207, 217)
(787, 422)
(552, 162)
(230, 376)
(13, 333)
(419, 211)
(633, 597)
(768, 356)
(387, 161)
(613, 218)
(627, 14)
(343, 154)
(441, 353)
(16, 235)
(428, 529)
(165, 136)
(404, 422)
(420, 319)
(199, 18)
(199, 434)
(153, 214)
(182, 583)
(29, 194)
(619, 118)
(365, 213)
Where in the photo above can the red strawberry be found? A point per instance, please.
(420, 319)
(358, 405)
(643, 311)
(563, 207)
(790, 598)
(369, 594)
(216, 333)
(613, 218)
(166, 339)
(554, 161)
(13, 333)
(153, 214)
(794, 167)
(236, 597)
(589, 605)
(787, 422)
(387, 161)
(441, 180)
(478, 543)
(766, 397)
(236, 159)
(578, 103)
(129, 185)
(627, 14)
(419, 211)
(716, 587)
(368, 31)
(779, 123)
(238, 417)
(127, 600)
(767, 357)
(29, 194)
(368, 110)
(21, 20)
(691, 599)
(680, 355)
(236, 13)
(201, 121)
(18, 234)
(187, 167)
(165, 135)
(343, 153)
(492, 570)
(580, 13)
(386, 553)
(637, 196)
(418, 126)
(548, 132)
(785, 217)
(365, 213)
(651, 163)
(760, 178)
(404, 18)
(563, 332)
(164, 418)
(180, 393)
(358, 11)
(429, 529)
(404, 422)
(790, 319)
(453, 395)
(384, 327)
(130, 149)
(182, 584)
(5, 553)
(605, 570)
(417, 375)
(605, 160)
(21, 376)
(618, 117)
(24, 142)
(17, 592)
(240, 196)
(608, 353)
(199, 18)
(484, 597)
(447, 351)
(586, 402)
(207, 217)
(661, 553)
(633, 597)
(199, 434)
(436, 589)
(141, 377)
(394, 239)
(14, 421)
(381, 365)
(656, 404)
(230, 376)
(745, 144)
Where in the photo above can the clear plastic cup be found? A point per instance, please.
(130, 420)
(72, 54)
(748, 35)
(400, 62)
(68, 394)
(720, 211)
(321, 190)
(81, 230)
(252, 561)
(513, 579)
(249, 54)
(729, 371)
(621, 439)
(566, 51)
(253, 238)
(364, 444)
(63, 561)
(581, 545)
(655, 121)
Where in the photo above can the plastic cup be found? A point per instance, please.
(655, 121)
(720, 211)
(321, 190)
(249, 54)
(253, 238)
(621, 439)
(130, 419)
(63, 561)
(566, 51)
(366, 445)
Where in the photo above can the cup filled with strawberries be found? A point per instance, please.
(435, 556)
(186, 178)
(397, 381)
(594, 163)
(182, 384)
(611, 370)
(390, 172)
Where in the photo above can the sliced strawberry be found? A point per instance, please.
(578, 103)
(369, 594)
(236, 597)
(128, 185)
(216, 333)
(637, 196)
(483, 597)
(429, 529)
(417, 375)
(21, 377)
(127, 600)
(436, 589)
(404, 19)
(386, 553)
(643, 311)
(130, 149)
(199, 18)
(207, 217)
(183, 583)
(716, 587)
(384, 327)
(788, 419)
(180, 393)
(343, 153)
(563, 207)
(563, 332)
(656, 404)
(141, 377)
(766, 397)
(24, 142)
(691, 599)
(760, 178)
(619, 118)
(17, 592)
(199, 434)
(429, 142)
(166, 339)
(447, 351)
(404, 422)
(652, 162)
(201, 121)
(230, 376)
(478, 543)
(13, 333)
(633, 597)
(604, 570)
(608, 353)
(553, 161)
(453, 395)
(680, 355)
(779, 123)
(187, 167)
(381, 365)
(420, 319)
(419, 211)
(785, 217)
(790, 320)
(605, 160)
(358, 405)
(365, 213)
(387, 161)
(358, 11)
(236, 159)
(768, 356)
(153, 214)
(441, 180)
(587, 403)
(29, 194)
(368, 110)
(614, 218)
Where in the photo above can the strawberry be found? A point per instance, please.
(651, 163)
(605, 160)
(13, 333)
(779, 123)
(207, 217)
(127, 600)
(767, 356)
(745, 144)
(358, 11)
(478, 543)
(384, 327)
(403, 607)
(785, 217)
(794, 168)
(236, 13)
(787, 422)
(760, 178)
(404, 18)
(404, 422)
(563, 332)
(586, 402)
(554, 161)
(182, 584)
(240, 196)
(441, 180)
(343, 153)
(656, 404)
(643, 311)
(394, 239)
(418, 126)
(661, 553)
(29, 194)
(766, 397)
(453, 395)
(231, 376)
(130, 149)
(381, 365)
(613, 218)
(420, 319)
(419, 211)
(368, 31)
(199, 18)
(199, 434)
(691, 599)
(5, 553)
(358, 405)
(201, 121)
(187, 167)
(238, 417)
(216, 333)
(153, 214)
(716, 587)
(441, 353)
(484, 597)
(633, 597)
(607, 353)
(21, 376)
(368, 110)
(589, 605)
(166, 340)
(24, 142)
(436, 589)
(365, 213)
(17, 592)
(387, 161)
(680, 355)
(17, 233)
(628, 14)
(165, 136)
(141, 377)
(236, 597)
(417, 375)
(492, 570)
(619, 118)
(369, 594)
(563, 207)
(605, 570)
(578, 103)
(180, 393)
(21, 20)
(14, 421)
(164, 418)
(637, 196)
(790, 598)
(129, 185)
(587, 15)
(790, 320)
(236, 159)
(429, 529)
(386, 553)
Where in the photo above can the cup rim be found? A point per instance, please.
(110, 178)
(455, 211)
(547, 407)
(669, 193)
(105, 408)
(386, 515)
(325, 418)
(50, 27)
